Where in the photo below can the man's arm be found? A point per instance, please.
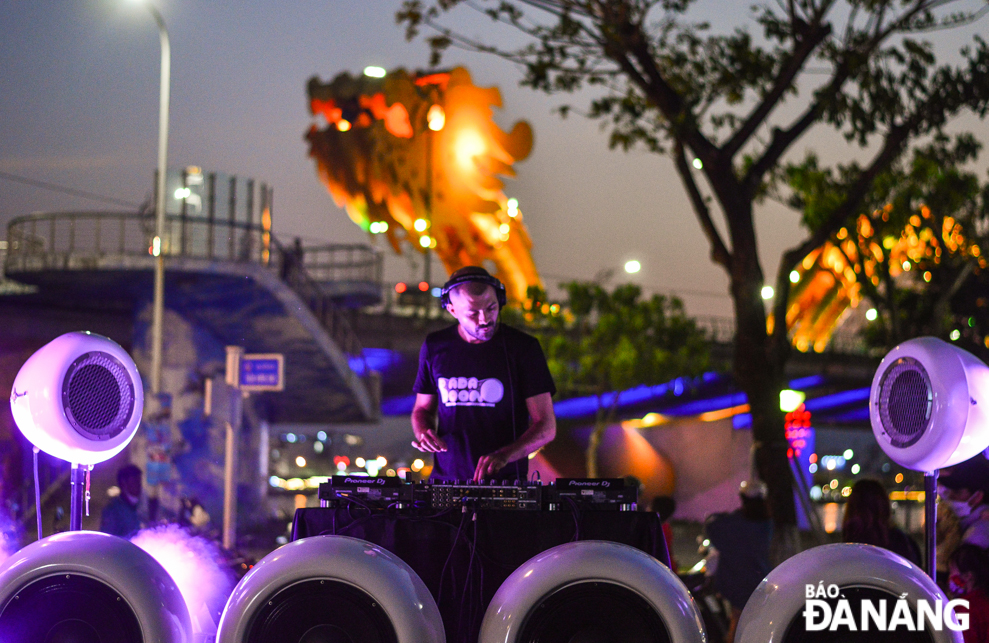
(424, 424)
(541, 431)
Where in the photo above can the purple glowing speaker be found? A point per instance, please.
(929, 404)
(88, 586)
(78, 398)
(592, 591)
(331, 588)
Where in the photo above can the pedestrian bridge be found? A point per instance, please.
(232, 279)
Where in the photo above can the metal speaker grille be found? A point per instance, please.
(906, 401)
(69, 608)
(318, 610)
(98, 396)
(594, 612)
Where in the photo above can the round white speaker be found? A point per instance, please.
(592, 592)
(89, 586)
(78, 398)
(929, 404)
(331, 588)
(856, 573)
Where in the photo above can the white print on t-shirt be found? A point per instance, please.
(470, 391)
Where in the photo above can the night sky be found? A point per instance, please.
(79, 108)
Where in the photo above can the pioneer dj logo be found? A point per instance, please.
(470, 391)
(590, 483)
(364, 481)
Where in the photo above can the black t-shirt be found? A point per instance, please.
(473, 384)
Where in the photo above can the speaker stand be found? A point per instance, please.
(77, 489)
(930, 523)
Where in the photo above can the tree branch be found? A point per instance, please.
(655, 87)
(719, 253)
(782, 139)
(779, 343)
(892, 147)
(942, 308)
(807, 44)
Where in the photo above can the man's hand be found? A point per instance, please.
(424, 425)
(542, 430)
(428, 442)
(490, 464)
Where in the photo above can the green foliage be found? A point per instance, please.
(944, 289)
(601, 341)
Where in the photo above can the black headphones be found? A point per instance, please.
(477, 274)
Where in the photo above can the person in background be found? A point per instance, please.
(968, 579)
(867, 521)
(122, 516)
(948, 534)
(964, 488)
(292, 262)
(193, 516)
(665, 506)
(159, 432)
(742, 538)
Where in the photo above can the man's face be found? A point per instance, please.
(477, 314)
(131, 485)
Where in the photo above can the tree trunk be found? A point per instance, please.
(759, 372)
(602, 418)
(591, 457)
(757, 367)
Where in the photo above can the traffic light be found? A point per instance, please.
(798, 429)
(420, 294)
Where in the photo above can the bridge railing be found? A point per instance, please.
(721, 330)
(79, 240)
(344, 263)
(92, 240)
(285, 261)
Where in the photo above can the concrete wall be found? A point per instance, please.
(700, 464)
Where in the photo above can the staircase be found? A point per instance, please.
(232, 278)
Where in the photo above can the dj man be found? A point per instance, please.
(488, 383)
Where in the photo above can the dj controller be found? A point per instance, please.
(565, 494)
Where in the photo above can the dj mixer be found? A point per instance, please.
(565, 494)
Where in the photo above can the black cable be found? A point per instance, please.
(65, 190)
(575, 512)
(478, 604)
(456, 539)
(354, 501)
(468, 595)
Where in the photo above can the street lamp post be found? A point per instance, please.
(157, 316)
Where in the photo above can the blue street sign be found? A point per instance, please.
(262, 372)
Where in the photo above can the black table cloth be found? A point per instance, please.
(464, 556)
